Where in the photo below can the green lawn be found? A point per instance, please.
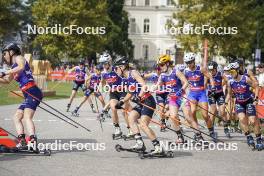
(63, 90)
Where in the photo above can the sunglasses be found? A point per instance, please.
(162, 64)
(188, 63)
(232, 71)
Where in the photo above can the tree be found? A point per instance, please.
(219, 13)
(9, 17)
(118, 41)
(64, 13)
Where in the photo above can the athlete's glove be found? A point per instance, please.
(179, 93)
(136, 99)
(256, 100)
(2, 74)
(119, 105)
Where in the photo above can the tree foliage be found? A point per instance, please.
(82, 13)
(9, 17)
(219, 13)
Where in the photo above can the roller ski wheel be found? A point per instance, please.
(15, 150)
(227, 133)
(259, 147)
(259, 144)
(4, 149)
(117, 137)
(214, 137)
(119, 148)
(75, 114)
(47, 152)
(252, 147)
(168, 154)
(251, 143)
(127, 138)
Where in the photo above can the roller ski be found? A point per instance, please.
(4, 149)
(25, 147)
(139, 147)
(119, 148)
(259, 144)
(158, 152)
(75, 112)
(118, 134)
(251, 143)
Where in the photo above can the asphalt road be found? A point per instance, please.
(105, 161)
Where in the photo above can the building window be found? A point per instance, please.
(133, 3)
(146, 26)
(145, 52)
(169, 3)
(133, 25)
(147, 2)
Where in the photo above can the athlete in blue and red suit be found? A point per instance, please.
(161, 95)
(245, 108)
(117, 93)
(197, 96)
(21, 73)
(174, 83)
(80, 75)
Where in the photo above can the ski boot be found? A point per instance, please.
(237, 130)
(139, 146)
(259, 144)
(106, 114)
(180, 140)
(93, 108)
(32, 143)
(250, 142)
(163, 126)
(213, 135)
(75, 112)
(101, 117)
(129, 135)
(68, 107)
(227, 133)
(22, 144)
(118, 133)
(198, 138)
(157, 150)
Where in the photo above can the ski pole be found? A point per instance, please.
(184, 124)
(48, 111)
(100, 120)
(55, 110)
(161, 125)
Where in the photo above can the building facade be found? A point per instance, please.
(147, 29)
